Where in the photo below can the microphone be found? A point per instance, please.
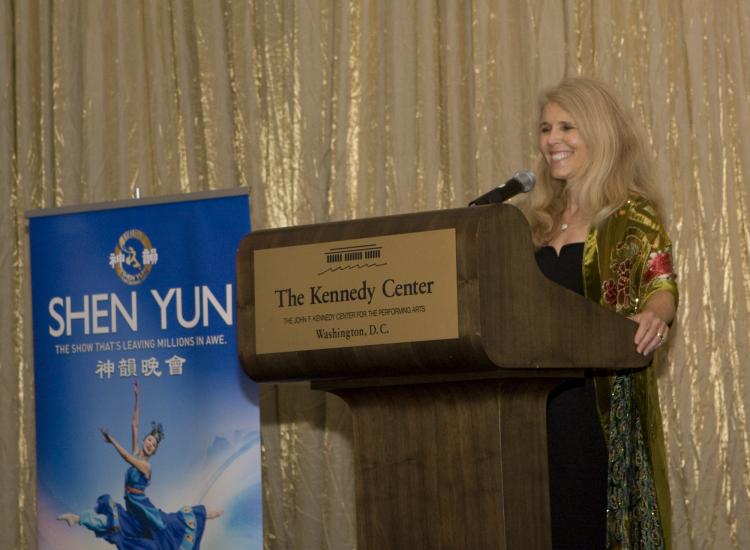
(521, 182)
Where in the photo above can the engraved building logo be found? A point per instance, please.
(353, 257)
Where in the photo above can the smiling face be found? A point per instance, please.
(561, 143)
(150, 445)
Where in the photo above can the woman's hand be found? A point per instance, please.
(653, 322)
(136, 388)
(652, 332)
(105, 433)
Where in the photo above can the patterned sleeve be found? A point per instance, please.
(657, 271)
(635, 258)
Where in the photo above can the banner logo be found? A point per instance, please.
(133, 257)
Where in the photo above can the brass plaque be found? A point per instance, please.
(359, 292)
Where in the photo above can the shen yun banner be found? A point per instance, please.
(148, 432)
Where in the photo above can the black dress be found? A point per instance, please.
(577, 451)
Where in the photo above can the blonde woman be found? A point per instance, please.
(595, 220)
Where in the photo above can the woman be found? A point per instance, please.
(140, 524)
(594, 216)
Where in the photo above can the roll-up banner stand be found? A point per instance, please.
(148, 432)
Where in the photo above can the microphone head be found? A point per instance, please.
(526, 178)
(521, 182)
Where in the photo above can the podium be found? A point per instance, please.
(448, 391)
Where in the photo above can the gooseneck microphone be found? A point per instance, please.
(521, 182)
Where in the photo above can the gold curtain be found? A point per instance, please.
(335, 110)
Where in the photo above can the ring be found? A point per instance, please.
(660, 335)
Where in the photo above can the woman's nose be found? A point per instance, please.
(553, 136)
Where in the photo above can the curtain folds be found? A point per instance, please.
(340, 110)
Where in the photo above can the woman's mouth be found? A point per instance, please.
(560, 155)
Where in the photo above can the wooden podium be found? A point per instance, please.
(450, 440)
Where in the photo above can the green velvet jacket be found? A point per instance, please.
(626, 260)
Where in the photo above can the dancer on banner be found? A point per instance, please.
(140, 524)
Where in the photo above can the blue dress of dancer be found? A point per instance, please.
(142, 526)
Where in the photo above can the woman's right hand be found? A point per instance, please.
(136, 388)
(105, 433)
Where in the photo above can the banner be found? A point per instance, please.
(148, 431)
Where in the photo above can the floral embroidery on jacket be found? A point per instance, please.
(659, 265)
(636, 271)
(619, 292)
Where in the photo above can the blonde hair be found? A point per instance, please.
(619, 164)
